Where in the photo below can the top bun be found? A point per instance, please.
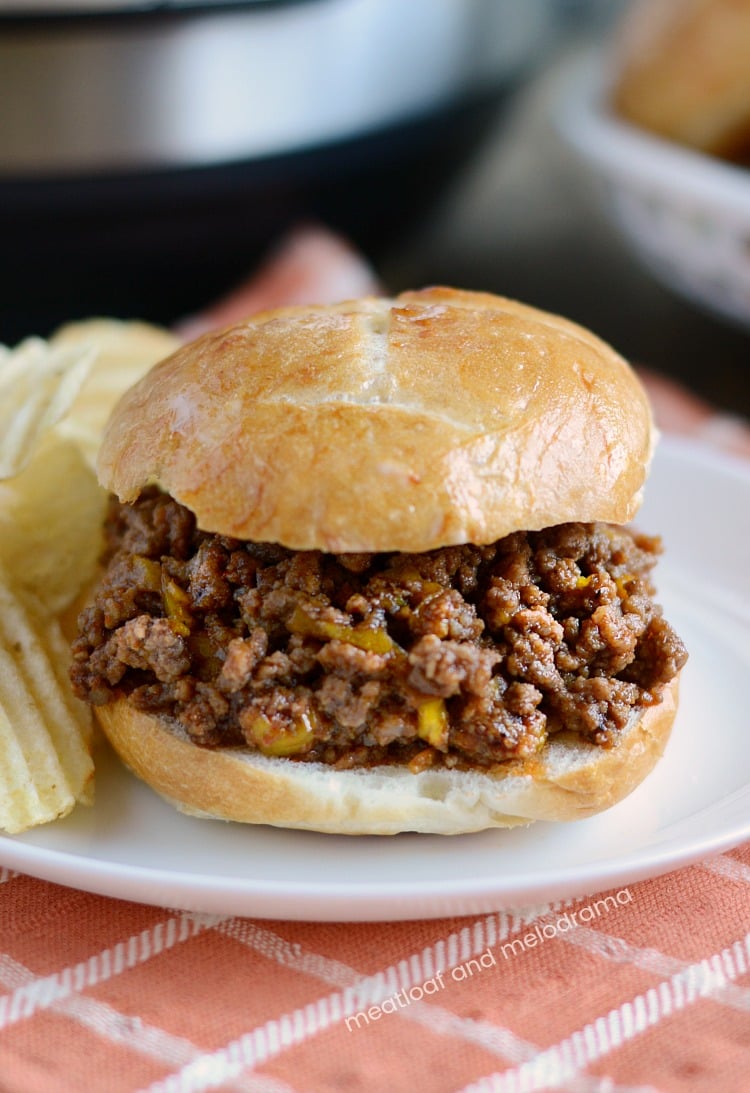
(436, 418)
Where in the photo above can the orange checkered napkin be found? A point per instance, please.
(644, 988)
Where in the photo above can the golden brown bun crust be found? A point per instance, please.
(568, 781)
(436, 418)
(685, 72)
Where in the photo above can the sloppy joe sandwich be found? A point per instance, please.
(367, 571)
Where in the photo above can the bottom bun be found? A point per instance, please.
(568, 780)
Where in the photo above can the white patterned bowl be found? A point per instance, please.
(685, 215)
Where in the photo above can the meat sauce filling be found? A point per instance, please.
(464, 656)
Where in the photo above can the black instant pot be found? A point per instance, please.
(150, 152)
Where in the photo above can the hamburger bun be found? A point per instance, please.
(569, 780)
(460, 416)
(437, 418)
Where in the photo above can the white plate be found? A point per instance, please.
(134, 846)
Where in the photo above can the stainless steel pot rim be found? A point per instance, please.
(257, 80)
(74, 12)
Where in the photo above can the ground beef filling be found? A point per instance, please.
(463, 656)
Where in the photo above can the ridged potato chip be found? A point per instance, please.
(50, 525)
(125, 351)
(45, 733)
(55, 399)
(39, 383)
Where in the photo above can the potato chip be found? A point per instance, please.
(53, 407)
(45, 732)
(125, 351)
(50, 524)
(38, 385)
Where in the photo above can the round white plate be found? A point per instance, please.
(133, 846)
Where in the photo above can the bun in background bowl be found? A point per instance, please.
(685, 214)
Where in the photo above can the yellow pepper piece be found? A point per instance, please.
(432, 723)
(175, 600)
(373, 641)
(584, 582)
(432, 588)
(621, 583)
(147, 572)
(281, 742)
(409, 573)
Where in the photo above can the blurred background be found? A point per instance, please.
(150, 153)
